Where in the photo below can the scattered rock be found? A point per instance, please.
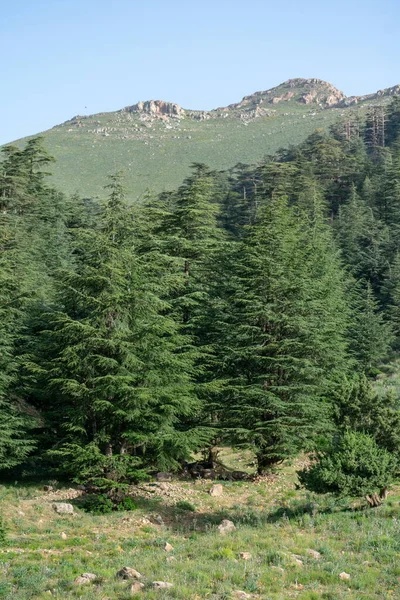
(162, 585)
(128, 573)
(158, 520)
(63, 535)
(48, 488)
(298, 562)
(344, 575)
(21, 513)
(145, 521)
(136, 587)
(216, 490)
(226, 526)
(245, 555)
(314, 553)
(62, 508)
(168, 547)
(240, 595)
(171, 558)
(85, 578)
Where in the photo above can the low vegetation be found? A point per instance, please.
(300, 545)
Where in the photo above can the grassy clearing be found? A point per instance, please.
(276, 523)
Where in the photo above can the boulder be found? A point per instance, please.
(128, 573)
(216, 490)
(168, 547)
(136, 587)
(85, 578)
(162, 585)
(314, 553)
(63, 508)
(226, 526)
(344, 575)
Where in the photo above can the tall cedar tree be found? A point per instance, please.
(112, 366)
(285, 335)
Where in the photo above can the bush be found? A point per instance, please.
(354, 466)
(184, 505)
(97, 504)
(127, 504)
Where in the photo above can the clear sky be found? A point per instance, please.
(68, 57)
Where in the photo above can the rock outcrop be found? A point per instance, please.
(156, 108)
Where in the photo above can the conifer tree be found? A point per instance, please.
(278, 337)
(111, 362)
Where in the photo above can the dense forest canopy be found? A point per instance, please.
(250, 307)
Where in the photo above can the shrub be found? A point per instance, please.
(127, 504)
(97, 504)
(184, 505)
(354, 466)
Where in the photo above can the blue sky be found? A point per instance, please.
(67, 57)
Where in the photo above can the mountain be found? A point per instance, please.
(155, 141)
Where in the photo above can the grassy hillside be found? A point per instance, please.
(299, 548)
(156, 148)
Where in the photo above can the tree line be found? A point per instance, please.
(249, 307)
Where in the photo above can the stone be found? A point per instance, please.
(128, 573)
(48, 488)
(85, 578)
(240, 595)
(63, 535)
(168, 547)
(216, 490)
(245, 555)
(158, 520)
(171, 559)
(314, 553)
(63, 508)
(136, 587)
(344, 575)
(162, 585)
(226, 526)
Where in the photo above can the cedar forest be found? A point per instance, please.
(252, 308)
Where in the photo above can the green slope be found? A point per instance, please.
(156, 149)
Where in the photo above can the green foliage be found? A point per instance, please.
(97, 504)
(126, 504)
(185, 505)
(3, 532)
(354, 466)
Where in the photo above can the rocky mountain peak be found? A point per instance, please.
(156, 108)
(302, 91)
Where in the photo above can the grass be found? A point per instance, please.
(156, 155)
(277, 523)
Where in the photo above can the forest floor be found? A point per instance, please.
(299, 546)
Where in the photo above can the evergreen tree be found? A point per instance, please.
(278, 337)
(113, 377)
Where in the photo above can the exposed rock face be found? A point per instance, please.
(157, 108)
